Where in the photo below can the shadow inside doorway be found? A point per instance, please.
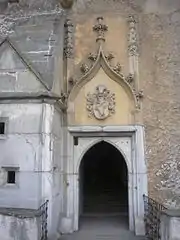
(104, 222)
(103, 185)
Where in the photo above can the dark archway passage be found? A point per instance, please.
(103, 181)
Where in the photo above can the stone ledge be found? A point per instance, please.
(28, 95)
(172, 212)
(20, 213)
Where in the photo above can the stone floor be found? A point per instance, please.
(102, 228)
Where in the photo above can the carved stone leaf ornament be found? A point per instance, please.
(84, 68)
(101, 103)
(68, 39)
(133, 47)
(92, 57)
(130, 78)
(109, 57)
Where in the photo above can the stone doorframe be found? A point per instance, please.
(129, 140)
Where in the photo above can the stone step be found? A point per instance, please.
(99, 237)
(103, 228)
(91, 235)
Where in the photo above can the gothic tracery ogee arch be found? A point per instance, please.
(114, 144)
(101, 59)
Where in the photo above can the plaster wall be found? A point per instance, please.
(15, 75)
(14, 228)
(85, 38)
(53, 170)
(36, 31)
(174, 228)
(170, 225)
(40, 39)
(58, 170)
(21, 147)
(32, 143)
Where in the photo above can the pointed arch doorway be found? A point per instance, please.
(103, 182)
(129, 142)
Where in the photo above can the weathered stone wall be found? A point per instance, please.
(39, 27)
(31, 65)
(159, 64)
(36, 30)
(160, 74)
(16, 77)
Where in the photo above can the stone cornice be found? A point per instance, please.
(28, 95)
(40, 97)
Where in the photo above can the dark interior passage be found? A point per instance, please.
(103, 181)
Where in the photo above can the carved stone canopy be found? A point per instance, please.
(101, 103)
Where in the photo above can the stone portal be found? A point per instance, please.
(110, 158)
(103, 182)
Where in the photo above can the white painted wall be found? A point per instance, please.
(21, 147)
(34, 143)
(57, 158)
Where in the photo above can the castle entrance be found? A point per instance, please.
(103, 182)
(106, 176)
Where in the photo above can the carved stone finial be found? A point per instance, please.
(101, 103)
(133, 47)
(68, 39)
(132, 20)
(100, 28)
(84, 68)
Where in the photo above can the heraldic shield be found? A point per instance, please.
(101, 103)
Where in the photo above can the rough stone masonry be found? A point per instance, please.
(35, 68)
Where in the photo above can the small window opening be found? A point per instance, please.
(11, 177)
(2, 127)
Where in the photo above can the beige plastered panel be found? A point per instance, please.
(116, 38)
(78, 114)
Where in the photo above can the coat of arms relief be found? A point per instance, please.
(101, 103)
